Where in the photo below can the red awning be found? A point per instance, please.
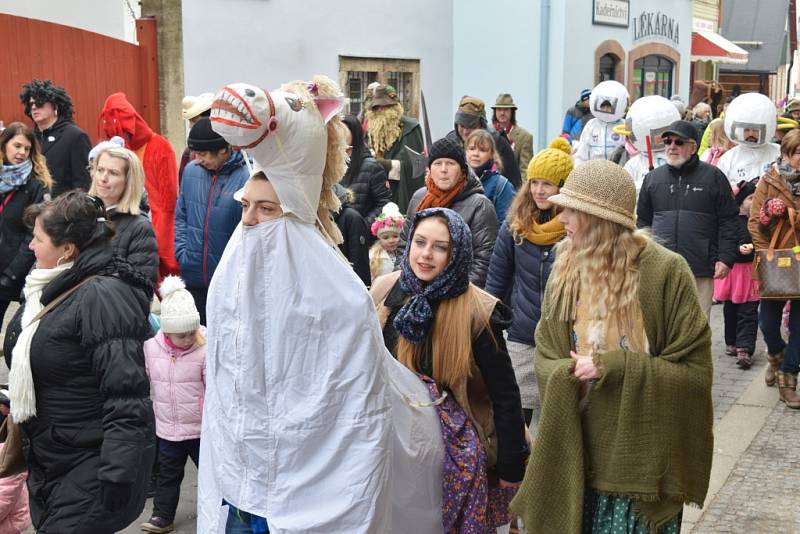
(711, 46)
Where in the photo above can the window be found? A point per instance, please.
(608, 67)
(652, 75)
(355, 74)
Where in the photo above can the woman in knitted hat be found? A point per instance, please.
(624, 350)
(175, 360)
(450, 332)
(522, 259)
(386, 228)
(449, 184)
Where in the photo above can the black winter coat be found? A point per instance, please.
(491, 357)
(521, 270)
(355, 246)
(16, 259)
(478, 212)
(66, 148)
(510, 168)
(691, 211)
(369, 184)
(135, 241)
(94, 426)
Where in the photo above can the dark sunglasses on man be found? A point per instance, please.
(670, 141)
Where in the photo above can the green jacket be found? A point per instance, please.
(403, 190)
(522, 142)
(646, 430)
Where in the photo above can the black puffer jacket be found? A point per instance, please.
(16, 259)
(94, 426)
(135, 241)
(355, 233)
(370, 186)
(478, 212)
(66, 148)
(691, 211)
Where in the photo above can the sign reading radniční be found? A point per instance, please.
(655, 26)
(611, 13)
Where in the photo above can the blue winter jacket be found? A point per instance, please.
(500, 191)
(518, 275)
(205, 217)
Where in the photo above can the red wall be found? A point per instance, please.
(88, 65)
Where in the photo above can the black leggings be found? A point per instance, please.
(741, 324)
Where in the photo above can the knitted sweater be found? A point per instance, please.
(646, 431)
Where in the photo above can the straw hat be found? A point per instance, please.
(195, 105)
(600, 188)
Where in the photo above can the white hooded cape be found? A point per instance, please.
(308, 420)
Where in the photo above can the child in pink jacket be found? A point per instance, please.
(15, 516)
(175, 361)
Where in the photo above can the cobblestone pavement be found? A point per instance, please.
(760, 495)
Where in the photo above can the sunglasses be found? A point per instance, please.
(677, 142)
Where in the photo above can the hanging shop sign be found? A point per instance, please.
(611, 13)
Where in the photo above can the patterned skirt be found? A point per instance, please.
(615, 514)
(469, 504)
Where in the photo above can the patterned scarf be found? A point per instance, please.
(790, 176)
(436, 198)
(414, 319)
(13, 176)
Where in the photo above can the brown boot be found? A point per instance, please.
(787, 386)
(774, 365)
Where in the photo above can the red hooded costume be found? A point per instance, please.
(160, 168)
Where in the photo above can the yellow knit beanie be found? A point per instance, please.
(553, 164)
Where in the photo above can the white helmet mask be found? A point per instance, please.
(609, 92)
(650, 115)
(750, 119)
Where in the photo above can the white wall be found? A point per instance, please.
(106, 17)
(269, 42)
(488, 61)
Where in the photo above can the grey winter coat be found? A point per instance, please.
(478, 212)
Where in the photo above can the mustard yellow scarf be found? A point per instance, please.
(547, 233)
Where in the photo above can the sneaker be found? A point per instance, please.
(159, 525)
(743, 359)
(730, 350)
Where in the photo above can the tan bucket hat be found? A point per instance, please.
(600, 188)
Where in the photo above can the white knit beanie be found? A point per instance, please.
(178, 311)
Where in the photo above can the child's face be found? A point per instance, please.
(183, 340)
(389, 241)
(746, 203)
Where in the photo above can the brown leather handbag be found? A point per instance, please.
(778, 269)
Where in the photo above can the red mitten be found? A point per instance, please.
(763, 216)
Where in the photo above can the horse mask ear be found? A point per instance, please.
(328, 106)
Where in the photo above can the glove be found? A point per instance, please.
(115, 496)
(771, 209)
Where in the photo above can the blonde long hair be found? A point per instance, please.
(523, 211)
(454, 324)
(131, 199)
(604, 269)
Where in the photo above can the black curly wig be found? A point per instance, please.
(42, 91)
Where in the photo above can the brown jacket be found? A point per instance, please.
(771, 185)
(471, 394)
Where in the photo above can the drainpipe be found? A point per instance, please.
(544, 64)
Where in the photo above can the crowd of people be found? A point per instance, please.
(294, 296)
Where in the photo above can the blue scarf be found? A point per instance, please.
(414, 319)
(13, 176)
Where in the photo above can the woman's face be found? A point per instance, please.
(47, 254)
(541, 190)
(430, 249)
(17, 150)
(446, 173)
(109, 178)
(259, 202)
(794, 159)
(389, 241)
(183, 340)
(477, 155)
(573, 223)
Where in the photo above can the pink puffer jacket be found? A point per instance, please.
(15, 517)
(177, 379)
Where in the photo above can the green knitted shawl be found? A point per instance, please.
(647, 427)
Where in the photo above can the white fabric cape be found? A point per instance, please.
(308, 420)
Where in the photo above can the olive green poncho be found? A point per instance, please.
(647, 428)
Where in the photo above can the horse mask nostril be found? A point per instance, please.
(249, 92)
